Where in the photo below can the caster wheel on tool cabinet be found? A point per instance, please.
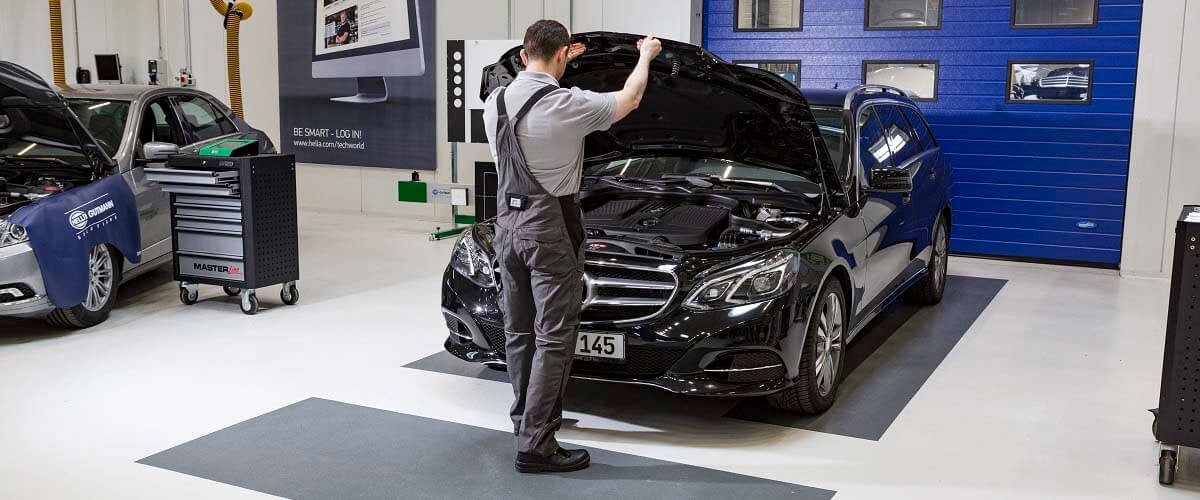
(290, 294)
(188, 297)
(1166, 467)
(249, 304)
(231, 291)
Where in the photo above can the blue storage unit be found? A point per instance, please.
(1032, 181)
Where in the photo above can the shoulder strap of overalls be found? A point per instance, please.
(502, 109)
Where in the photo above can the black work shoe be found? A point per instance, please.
(563, 460)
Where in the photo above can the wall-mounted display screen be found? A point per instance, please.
(1050, 81)
(351, 24)
(904, 14)
(917, 78)
(1053, 13)
(789, 70)
(769, 15)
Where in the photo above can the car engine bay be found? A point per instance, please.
(19, 186)
(692, 222)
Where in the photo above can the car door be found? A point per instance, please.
(157, 123)
(890, 217)
(929, 176)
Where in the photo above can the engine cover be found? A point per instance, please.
(681, 224)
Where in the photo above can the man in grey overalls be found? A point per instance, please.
(539, 230)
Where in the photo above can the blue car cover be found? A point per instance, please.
(65, 227)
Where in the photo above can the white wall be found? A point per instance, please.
(1163, 175)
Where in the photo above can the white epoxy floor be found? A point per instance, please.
(1045, 397)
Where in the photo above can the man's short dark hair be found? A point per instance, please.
(545, 38)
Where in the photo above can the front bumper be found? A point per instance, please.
(750, 350)
(22, 293)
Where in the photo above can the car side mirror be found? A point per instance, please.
(890, 180)
(155, 151)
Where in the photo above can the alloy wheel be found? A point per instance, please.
(940, 256)
(100, 278)
(830, 329)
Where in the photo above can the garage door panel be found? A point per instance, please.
(1062, 116)
(1039, 164)
(1034, 178)
(1034, 134)
(1038, 236)
(1042, 193)
(1037, 148)
(1088, 225)
(1036, 251)
(1039, 207)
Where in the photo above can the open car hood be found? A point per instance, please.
(22, 88)
(695, 104)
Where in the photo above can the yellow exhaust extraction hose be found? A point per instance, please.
(234, 14)
(56, 44)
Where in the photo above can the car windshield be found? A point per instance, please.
(104, 119)
(829, 120)
(668, 167)
(38, 133)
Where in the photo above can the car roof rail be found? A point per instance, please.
(869, 88)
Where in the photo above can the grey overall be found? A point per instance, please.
(539, 242)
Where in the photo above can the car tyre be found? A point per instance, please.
(821, 360)
(104, 277)
(932, 287)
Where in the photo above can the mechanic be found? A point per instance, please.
(539, 230)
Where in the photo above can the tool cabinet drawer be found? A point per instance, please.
(191, 177)
(216, 214)
(208, 201)
(219, 190)
(207, 224)
(210, 242)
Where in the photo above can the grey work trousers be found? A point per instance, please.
(542, 279)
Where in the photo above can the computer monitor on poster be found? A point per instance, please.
(367, 40)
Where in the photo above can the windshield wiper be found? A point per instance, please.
(619, 180)
(707, 181)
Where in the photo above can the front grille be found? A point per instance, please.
(494, 335)
(1064, 81)
(625, 292)
(640, 362)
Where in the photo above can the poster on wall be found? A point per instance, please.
(356, 82)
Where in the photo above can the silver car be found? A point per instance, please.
(47, 147)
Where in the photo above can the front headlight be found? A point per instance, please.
(472, 261)
(11, 234)
(754, 280)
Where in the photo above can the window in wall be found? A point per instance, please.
(1054, 13)
(917, 78)
(769, 15)
(1049, 82)
(903, 14)
(790, 71)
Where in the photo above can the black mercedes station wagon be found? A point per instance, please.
(741, 231)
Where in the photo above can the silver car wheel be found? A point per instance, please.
(940, 256)
(830, 328)
(100, 278)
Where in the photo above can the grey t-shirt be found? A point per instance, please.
(551, 135)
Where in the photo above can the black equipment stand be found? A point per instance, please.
(1179, 397)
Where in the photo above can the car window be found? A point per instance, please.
(829, 121)
(202, 118)
(873, 151)
(900, 138)
(104, 119)
(158, 125)
(919, 127)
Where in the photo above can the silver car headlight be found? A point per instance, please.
(472, 261)
(759, 278)
(11, 234)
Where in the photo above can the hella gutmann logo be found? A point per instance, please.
(83, 217)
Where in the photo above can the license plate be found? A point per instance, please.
(600, 345)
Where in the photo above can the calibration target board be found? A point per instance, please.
(465, 60)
